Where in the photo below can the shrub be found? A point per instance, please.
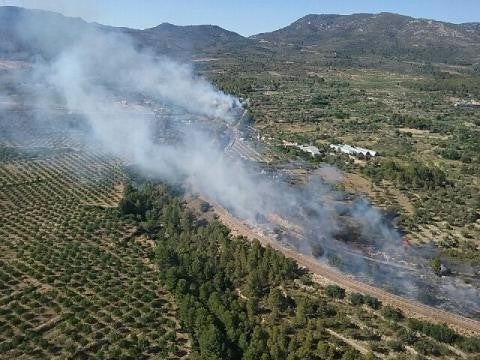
(440, 333)
(427, 347)
(357, 299)
(396, 345)
(373, 302)
(204, 206)
(392, 314)
(436, 266)
(471, 345)
(320, 100)
(335, 291)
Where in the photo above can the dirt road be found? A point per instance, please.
(411, 308)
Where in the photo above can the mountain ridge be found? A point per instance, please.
(384, 34)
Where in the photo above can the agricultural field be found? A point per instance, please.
(75, 281)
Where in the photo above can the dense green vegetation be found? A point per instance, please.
(238, 299)
(206, 269)
(455, 85)
(400, 120)
(335, 291)
(413, 175)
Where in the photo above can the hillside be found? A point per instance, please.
(383, 34)
(192, 39)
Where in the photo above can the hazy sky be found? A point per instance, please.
(246, 17)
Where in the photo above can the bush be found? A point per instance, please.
(396, 345)
(335, 291)
(471, 345)
(427, 347)
(406, 336)
(320, 100)
(317, 250)
(373, 302)
(392, 314)
(357, 299)
(436, 266)
(204, 206)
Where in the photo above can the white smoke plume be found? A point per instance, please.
(88, 78)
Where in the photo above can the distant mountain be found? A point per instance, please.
(52, 32)
(383, 34)
(192, 39)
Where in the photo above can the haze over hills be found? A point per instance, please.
(385, 35)
(52, 32)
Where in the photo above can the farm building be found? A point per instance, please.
(313, 150)
(353, 150)
(468, 104)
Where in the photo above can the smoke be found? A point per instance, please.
(94, 75)
(90, 67)
(158, 114)
(119, 90)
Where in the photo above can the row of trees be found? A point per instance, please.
(410, 175)
(444, 334)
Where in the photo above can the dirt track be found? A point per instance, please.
(412, 308)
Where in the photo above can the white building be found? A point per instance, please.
(468, 104)
(352, 150)
(288, 143)
(313, 150)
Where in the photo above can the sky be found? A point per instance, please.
(246, 17)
